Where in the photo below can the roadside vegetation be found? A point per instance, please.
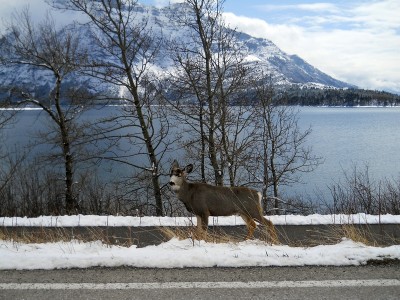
(319, 235)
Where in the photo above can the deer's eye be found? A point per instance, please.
(176, 173)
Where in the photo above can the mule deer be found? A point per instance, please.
(206, 200)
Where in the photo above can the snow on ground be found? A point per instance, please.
(94, 220)
(187, 253)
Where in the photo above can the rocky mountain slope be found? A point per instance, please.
(286, 70)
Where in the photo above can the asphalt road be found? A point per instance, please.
(365, 282)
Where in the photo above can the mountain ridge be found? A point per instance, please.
(286, 70)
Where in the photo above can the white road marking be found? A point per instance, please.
(200, 285)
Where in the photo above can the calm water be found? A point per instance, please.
(344, 137)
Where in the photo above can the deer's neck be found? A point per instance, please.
(184, 192)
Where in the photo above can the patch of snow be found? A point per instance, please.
(251, 58)
(20, 108)
(95, 220)
(186, 253)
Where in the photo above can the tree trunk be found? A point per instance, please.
(203, 146)
(275, 181)
(210, 100)
(151, 153)
(71, 206)
(265, 178)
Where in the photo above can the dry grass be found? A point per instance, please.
(60, 234)
(214, 234)
(325, 236)
(193, 233)
(42, 235)
(356, 234)
(334, 234)
(361, 234)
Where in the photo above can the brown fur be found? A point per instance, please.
(206, 200)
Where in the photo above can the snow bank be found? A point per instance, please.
(186, 253)
(94, 220)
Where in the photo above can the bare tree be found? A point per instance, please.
(283, 149)
(58, 53)
(8, 162)
(125, 49)
(211, 74)
(357, 191)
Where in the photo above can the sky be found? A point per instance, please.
(187, 253)
(354, 41)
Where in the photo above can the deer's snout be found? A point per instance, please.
(171, 183)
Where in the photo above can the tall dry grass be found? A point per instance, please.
(60, 234)
(326, 235)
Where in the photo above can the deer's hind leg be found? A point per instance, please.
(251, 225)
(270, 229)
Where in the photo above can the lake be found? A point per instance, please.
(344, 137)
(348, 137)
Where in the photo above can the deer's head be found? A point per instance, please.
(178, 175)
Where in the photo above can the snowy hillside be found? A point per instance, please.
(284, 69)
(287, 69)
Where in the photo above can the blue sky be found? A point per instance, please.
(356, 41)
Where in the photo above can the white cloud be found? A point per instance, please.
(37, 10)
(317, 7)
(379, 14)
(307, 7)
(163, 3)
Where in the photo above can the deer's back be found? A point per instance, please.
(219, 201)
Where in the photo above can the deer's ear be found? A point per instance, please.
(175, 164)
(189, 168)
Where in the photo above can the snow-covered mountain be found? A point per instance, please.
(284, 69)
